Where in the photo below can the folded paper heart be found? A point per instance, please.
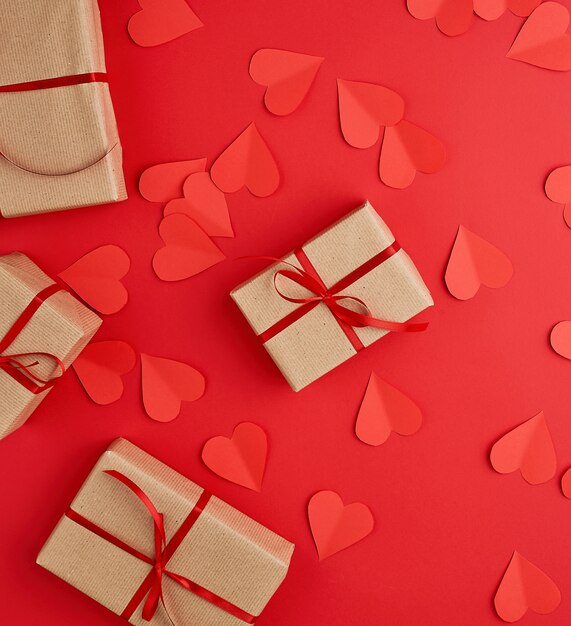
(453, 17)
(566, 484)
(165, 181)
(560, 338)
(558, 189)
(161, 21)
(492, 9)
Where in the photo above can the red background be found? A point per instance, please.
(446, 523)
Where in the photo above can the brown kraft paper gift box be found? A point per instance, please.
(224, 552)
(315, 343)
(59, 146)
(62, 326)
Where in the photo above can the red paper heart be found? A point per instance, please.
(205, 204)
(160, 21)
(166, 384)
(385, 409)
(100, 367)
(453, 17)
(524, 586)
(474, 262)
(527, 448)
(407, 149)
(288, 77)
(558, 189)
(164, 182)
(543, 40)
(492, 9)
(560, 339)
(96, 278)
(188, 249)
(566, 484)
(336, 526)
(364, 108)
(241, 458)
(247, 162)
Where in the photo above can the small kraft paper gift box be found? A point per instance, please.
(59, 146)
(43, 328)
(340, 292)
(155, 548)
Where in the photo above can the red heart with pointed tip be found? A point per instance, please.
(165, 181)
(453, 17)
(560, 339)
(241, 458)
(558, 189)
(161, 21)
(336, 526)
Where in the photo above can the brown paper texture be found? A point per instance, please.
(315, 344)
(62, 326)
(225, 551)
(59, 130)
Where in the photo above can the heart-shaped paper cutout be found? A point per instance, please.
(543, 39)
(205, 204)
(524, 586)
(288, 77)
(558, 189)
(474, 262)
(364, 108)
(336, 526)
(161, 21)
(492, 9)
(560, 339)
(247, 162)
(96, 278)
(407, 149)
(566, 484)
(164, 182)
(527, 448)
(166, 384)
(100, 367)
(385, 409)
(188, 249)
(453, 17)
(241, 459)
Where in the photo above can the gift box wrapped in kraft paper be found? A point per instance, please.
(43, 328)
(59, 146)
(337, 294)
(155, 548)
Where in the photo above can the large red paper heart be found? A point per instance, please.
(524, 586)
(492, 9)
(100, 367)
(96, 278)
(205, 204)
(474, 262)
(527, 448)
(164, 182)
(407, 149)
(247, 162)
(288, 77)
(166, 384)
(364, 108)
(336, 526)
(188, 249)
(453, 17)
(543, 40)
(558, 189)
(160, 21)
(385, 409)
(241, 458)
(560, 339)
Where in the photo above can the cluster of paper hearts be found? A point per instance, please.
(161, 21)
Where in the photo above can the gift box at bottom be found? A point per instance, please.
(219, 567)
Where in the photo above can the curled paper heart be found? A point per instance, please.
(164, 182)
(453, 17)
(558, 189)
(161, 21)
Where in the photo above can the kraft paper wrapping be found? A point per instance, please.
(51, 132)
(225, 551)
(62, 326)
(315, 344)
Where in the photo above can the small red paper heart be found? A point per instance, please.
(247, 162)
(166, 384)
(560, 339)
(543, 40)
(160, 21)
(474, 262)
(96, 278)
(288, 77)
(453, 17)
(241, 459)
(364, 108)
(100, 367)
(188, 249)
(407, 149)
(205, 204)
(385, 409)
(527, 448)
(492, 9)
(566, 484)
(164, 182)
(558, 189)
(524, 586)
(336, 526)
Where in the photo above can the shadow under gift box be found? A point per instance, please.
(62, 326)
(316, 343)
(59, 146)
(225, 552)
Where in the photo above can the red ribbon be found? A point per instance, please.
(152, 586)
